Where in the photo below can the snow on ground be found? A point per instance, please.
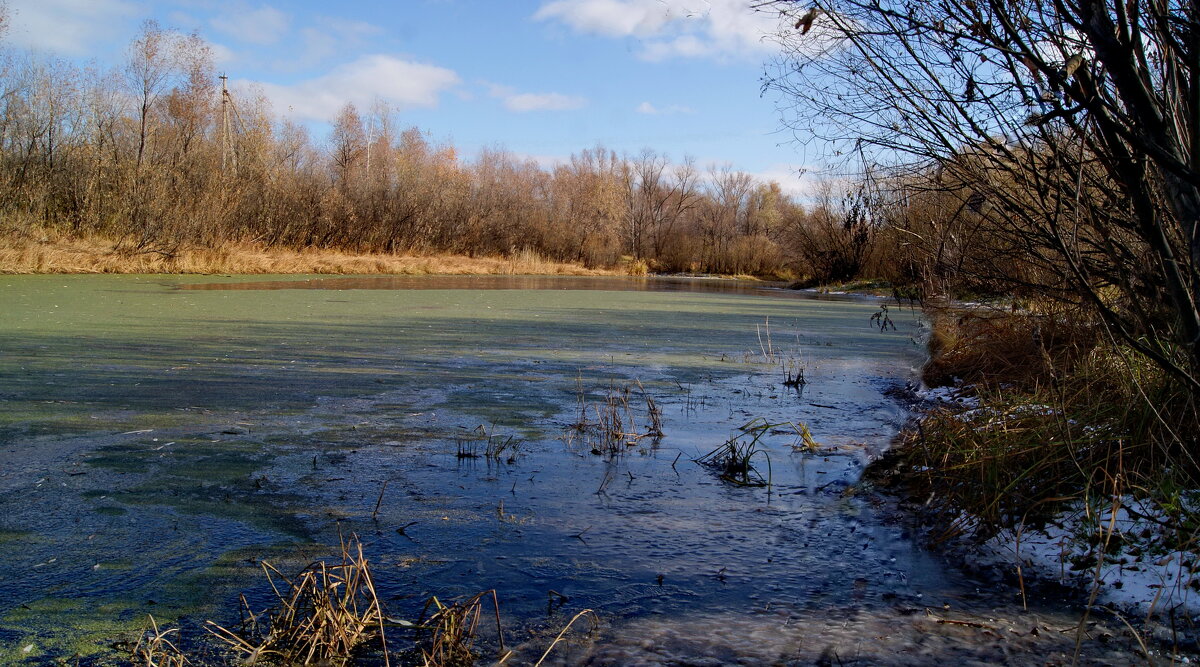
(1138, 575)
(948, 396)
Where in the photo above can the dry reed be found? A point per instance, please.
(612, 423)
(453, 629)
(324, 616)
(154, 649)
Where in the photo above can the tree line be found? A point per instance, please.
(157, 156)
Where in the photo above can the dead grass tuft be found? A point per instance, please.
(991, 347)
(324, 615)
(327, 614)
(154, 648)
(452, 630)
(610, 426)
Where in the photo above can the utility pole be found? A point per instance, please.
(370, 139)
(225, 144)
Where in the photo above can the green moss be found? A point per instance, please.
(64, 628)
(8, 535)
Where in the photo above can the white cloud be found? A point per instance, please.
(614, 18)
(261, 25)
(403, 83)
(671, 28)
(522, 102)
(543, 102)
(69, 27)
(651, 110)
(320, 43)
(222, 55)
(795, 182)
(544, 161)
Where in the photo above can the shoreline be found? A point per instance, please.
(1150, 589)
(99, 256)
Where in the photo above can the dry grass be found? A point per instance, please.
(611, 426)
(452, 630)
(154, 648)
(588, 613)
(1062, 417)
(99, 255)
(993, 347)
(324, 616)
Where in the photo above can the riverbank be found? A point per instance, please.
(101, 255)
(1044, 453)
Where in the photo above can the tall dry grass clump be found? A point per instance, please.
(155, 648)
(451, 630)
(324, 615)
(993, 347)
(1064, 417)
(330, 614)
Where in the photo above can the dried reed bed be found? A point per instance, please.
(1063, 417)
(330, 614)
(990, 347)
(325, 615)
(101, 255)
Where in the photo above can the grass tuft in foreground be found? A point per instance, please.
(452, 629)
(324, 615)
(330, 614)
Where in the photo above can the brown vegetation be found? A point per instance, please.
(98, 255)
(159, 161)
(1065, 417)
(1043, 157)
(991, 348)
(324, 615)
(330, 614)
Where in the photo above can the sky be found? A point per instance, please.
(542, 78)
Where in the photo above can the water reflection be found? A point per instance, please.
(592, 283)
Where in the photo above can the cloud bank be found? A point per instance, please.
(524, 102)
(670, 28)
(69, 27)
(404, 84)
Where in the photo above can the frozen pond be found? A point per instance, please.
(161, 435)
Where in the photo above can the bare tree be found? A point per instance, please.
(348, 145)
(1072, 127)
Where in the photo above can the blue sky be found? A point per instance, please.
(542, 78)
